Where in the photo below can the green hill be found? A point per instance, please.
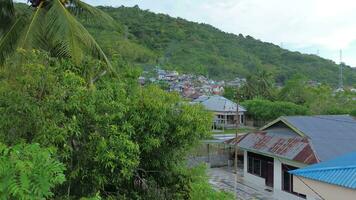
(143, 37)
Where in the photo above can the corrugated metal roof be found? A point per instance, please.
(218, 103)
(286, 146)
(330, 135)
(340, 171)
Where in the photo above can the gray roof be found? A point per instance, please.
(218, 104)
(330, 135)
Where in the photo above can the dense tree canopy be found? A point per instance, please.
(267, 110)
(115, 138)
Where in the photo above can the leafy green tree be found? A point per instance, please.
(115, 138)
(259, 85)
(201, 188)
(52, 27)
(267, 110)
(230, 93)
(296, 90)
(28, 172)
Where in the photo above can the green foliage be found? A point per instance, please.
(52, 26)
(28, 172)
(353, 113)
(111, 135)
(267, 110)
(230, 93)
(202, 190)
(259, 85)
(295, 90)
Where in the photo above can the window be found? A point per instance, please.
(250, 164)
(242, 119)
(287, 180)
(257, 164)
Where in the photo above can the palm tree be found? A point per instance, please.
(53, 27)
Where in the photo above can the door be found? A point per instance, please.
(269, 175)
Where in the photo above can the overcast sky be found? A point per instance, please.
(308, 26)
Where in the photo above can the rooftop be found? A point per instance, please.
(218, 103)
(340, 171)
(306, 139)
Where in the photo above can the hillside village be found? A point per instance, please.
(189, 86)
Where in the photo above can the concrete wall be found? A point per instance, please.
(327, 191)
(277, 174)
(277, 177)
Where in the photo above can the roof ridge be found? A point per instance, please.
(306, 170)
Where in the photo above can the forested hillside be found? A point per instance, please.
(142, 37)
(200, 48)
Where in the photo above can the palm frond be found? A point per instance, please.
(8, 43)
(71, 36)
(34, 29)
(7, 15)
(89, 13)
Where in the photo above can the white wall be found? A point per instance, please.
(277, 174)
(277, 177)
(327, 191)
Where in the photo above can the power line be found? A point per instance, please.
(319, 195)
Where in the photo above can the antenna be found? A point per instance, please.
(341, 84)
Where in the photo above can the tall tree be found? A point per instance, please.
(53, 27)
(260, 84)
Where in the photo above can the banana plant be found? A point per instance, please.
(53, 26)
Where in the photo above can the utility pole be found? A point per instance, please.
(237, 130)
(341, 82)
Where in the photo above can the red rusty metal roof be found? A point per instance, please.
(292, 147)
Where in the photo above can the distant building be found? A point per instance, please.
(224, 111)
(217, 90)
(142, 80)
(289, 143)
(238, 82)
(333, 179)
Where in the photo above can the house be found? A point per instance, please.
(217, 89)
(224, 110)
(329, 180)
(289, 143)
(141, 80)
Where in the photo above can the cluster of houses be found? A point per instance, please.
(297, 157)
(188, 85)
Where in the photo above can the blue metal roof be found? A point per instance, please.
(340, 171)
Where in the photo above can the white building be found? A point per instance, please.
(289, 143)
(224, 110)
